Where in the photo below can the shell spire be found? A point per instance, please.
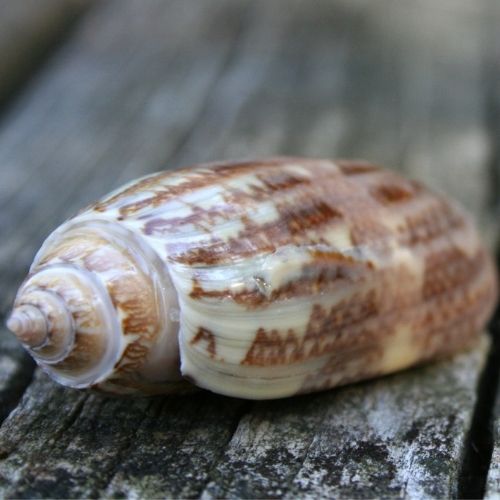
(256, 279)
(29, 325)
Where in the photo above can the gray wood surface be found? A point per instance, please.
(151, 84)
(29, 29)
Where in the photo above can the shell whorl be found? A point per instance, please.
(72, 311)
(94, 307)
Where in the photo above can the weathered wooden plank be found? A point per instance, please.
(62, 443)
(28, 30)
(238, 79)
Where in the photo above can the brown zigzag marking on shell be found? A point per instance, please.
(201, 176)
(433, 221)
(205, 335)
(326, 330)
(449, 269)
(291, 228)
(344, 367)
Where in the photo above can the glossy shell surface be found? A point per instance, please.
(270, 278)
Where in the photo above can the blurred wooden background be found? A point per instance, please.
(93, 94)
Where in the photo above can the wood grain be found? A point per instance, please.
(147, 85)
(29, 30)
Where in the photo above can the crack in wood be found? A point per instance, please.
(245, 409)
(479, 443)
(128, 446)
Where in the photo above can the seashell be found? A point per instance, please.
(257, 279)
